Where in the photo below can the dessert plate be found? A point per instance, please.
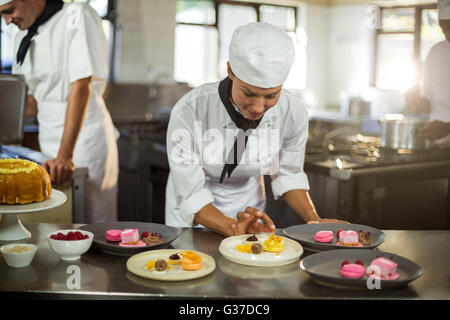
(325, 267)
(291, 253)
(304, 233)
(169, 234)
(136, 265)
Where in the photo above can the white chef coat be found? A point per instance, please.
(436, 82)
(70, 46)
(275, 148)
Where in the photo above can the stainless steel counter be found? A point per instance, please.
(105, 275)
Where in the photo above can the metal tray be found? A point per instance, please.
(325, 267)
(304, 234)
(169, 234)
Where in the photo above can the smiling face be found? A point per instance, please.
(23, 13)
(252, 101)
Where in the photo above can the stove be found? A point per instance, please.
(355, 179)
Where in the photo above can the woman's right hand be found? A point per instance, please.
(248, 222)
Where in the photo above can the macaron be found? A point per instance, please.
(324, 236)
(353, 271)
(113, 235)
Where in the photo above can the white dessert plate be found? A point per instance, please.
(304, 233)
(291, 253)
(325, 268)
(137, 263)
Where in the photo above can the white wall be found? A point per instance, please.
(146, 40)
(350, 48)
(314, 21)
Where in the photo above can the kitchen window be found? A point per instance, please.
(203, 33)
(402, 42)
(105, 10)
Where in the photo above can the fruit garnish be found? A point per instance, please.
(359, 262)
(144, 234)
(191, 255)
(244, 248)
(344, 263)
(337, 233)
(150, 265)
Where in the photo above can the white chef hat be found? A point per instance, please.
(444, 9)
(2, 2)
(261, 54)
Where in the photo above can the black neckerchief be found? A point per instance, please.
(51, 7)
(246, 126)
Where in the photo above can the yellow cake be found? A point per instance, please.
(23, 182)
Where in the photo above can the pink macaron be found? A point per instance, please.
(324, 236)
(113, 235)
(353, 271)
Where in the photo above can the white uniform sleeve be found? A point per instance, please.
(88, 54)
(184, 160)
(290, 175)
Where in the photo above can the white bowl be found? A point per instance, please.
(70, 249)
(18, 260)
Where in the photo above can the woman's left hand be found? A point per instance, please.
(326, 221)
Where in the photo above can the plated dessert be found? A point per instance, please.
(252, 245)
(188, 260)
(130, 238)
(348, 238)
(380, 268)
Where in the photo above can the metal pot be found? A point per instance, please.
(400, 132)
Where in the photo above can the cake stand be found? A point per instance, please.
(11, 227)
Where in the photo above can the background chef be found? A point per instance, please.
(61, 51)
(216, 174)
(435, 98)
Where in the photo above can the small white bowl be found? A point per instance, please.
(18, 260)
(70, 249)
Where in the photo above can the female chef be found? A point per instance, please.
(223, 137)
(61, 51)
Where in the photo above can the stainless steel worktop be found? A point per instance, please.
(105, 275)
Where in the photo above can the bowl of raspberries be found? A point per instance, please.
(70, 244)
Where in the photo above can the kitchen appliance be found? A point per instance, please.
(401, 132)
(357, 180)
(13, 97)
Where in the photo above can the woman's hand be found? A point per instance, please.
(248, 222)
(326, 221)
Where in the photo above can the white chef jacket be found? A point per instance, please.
(436, 82)
(199, 137)
(70, 46)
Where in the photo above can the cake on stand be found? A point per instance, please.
(11, 227)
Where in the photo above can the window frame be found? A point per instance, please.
(416, 33)
(255, 5)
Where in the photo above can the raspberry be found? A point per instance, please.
(344, 263)
(359, 262)
(337, 233)
(144, 234)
